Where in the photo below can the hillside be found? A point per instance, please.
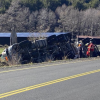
(78, 16)
(51, 4)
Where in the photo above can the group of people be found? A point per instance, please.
(84, 51)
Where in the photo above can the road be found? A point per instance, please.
(70, 80)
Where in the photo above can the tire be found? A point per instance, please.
(44, 43)
(25, 43)
(37, 44)
(68, 36)
(34, 54)
(52, 40)
(33, 45)
(61, 38)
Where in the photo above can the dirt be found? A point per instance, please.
(3, 63)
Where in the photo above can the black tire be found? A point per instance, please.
(33, 45)
(25, 43)
(61, 38)
(52, 40)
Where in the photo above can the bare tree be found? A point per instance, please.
(62, 20)
(15, 15)
(46, 19)
(68, 18)
(33, 21)
(91, 21)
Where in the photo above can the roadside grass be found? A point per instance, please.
(1, 49)
(2, 62)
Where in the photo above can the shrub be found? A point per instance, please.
(4, 5)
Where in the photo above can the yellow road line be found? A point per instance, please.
(43, 66)
(46, 84)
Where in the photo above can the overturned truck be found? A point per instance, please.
(54, 47)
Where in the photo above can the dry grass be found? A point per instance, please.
(64, 58)
(49, 59)
(3, 63)
(2, 47)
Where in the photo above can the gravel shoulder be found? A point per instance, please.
(5, 65)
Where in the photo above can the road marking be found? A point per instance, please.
(44, 66)
(46, 84)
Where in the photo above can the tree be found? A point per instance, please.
(79, 5)
(33, 20)
(91, 22)
(4, 5)
(32, 4)
(94, 3)
(46, 19)
(68, 20)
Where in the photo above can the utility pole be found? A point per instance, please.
(13, 36)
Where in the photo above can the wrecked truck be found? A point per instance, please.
(54, 47)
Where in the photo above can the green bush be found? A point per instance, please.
(1, 45)
(79, 5)
(38, 4)
(5, 45)
(51, 4)
(4, 5)
(94, 3)
(32, 4)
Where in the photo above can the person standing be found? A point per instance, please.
(90, 51)
(80, 49)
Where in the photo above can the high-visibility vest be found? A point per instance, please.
(88, 53)
(91, 47)
(6, 58)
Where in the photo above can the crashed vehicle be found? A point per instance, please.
(54, 47)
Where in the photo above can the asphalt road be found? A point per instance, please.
(71, 80)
